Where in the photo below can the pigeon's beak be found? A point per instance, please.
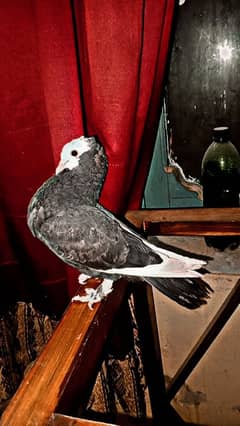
(61, 166)
(68, 163)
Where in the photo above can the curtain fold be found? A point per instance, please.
(70, 68)
(123, 52)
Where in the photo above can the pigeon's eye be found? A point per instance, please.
(74, 153)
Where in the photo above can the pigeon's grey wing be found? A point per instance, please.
(91, 237)
(85, 237)
(140, 253)
(143, 245)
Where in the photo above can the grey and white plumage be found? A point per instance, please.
(65, 214)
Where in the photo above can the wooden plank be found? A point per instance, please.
(122, 419)
(137, 217)
(61, 420)
(192, 228)
(54, 379)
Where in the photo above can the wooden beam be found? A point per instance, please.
(199, 228)
(198, 214)
(60, 420)
(67, 363)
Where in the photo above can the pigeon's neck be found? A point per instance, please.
(86, 186)
(87, 179)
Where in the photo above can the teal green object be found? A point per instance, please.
(162, 190)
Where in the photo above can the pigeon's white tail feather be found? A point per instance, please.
(169, 268)
(169, 256)
(191, 263)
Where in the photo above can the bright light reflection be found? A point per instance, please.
(225, 51)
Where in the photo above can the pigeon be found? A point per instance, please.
(66, 215)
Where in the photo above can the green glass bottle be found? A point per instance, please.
(220, 178)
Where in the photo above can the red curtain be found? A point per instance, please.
(70, 68)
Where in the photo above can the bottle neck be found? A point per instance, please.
(221, 134)
(220, 140)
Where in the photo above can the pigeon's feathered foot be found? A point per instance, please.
(83, 278)
(93, 296)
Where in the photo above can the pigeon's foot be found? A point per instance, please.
(82, 279)
(94, 296)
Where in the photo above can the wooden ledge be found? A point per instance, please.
(204, 218)
(60, 420)
(184, 228)
(69, 361)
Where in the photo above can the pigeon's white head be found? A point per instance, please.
(72, 151)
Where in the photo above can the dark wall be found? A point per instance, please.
(203, 82)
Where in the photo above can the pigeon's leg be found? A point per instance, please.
(82, 279)
(93, 296)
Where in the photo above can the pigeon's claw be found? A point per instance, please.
(93, 296)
